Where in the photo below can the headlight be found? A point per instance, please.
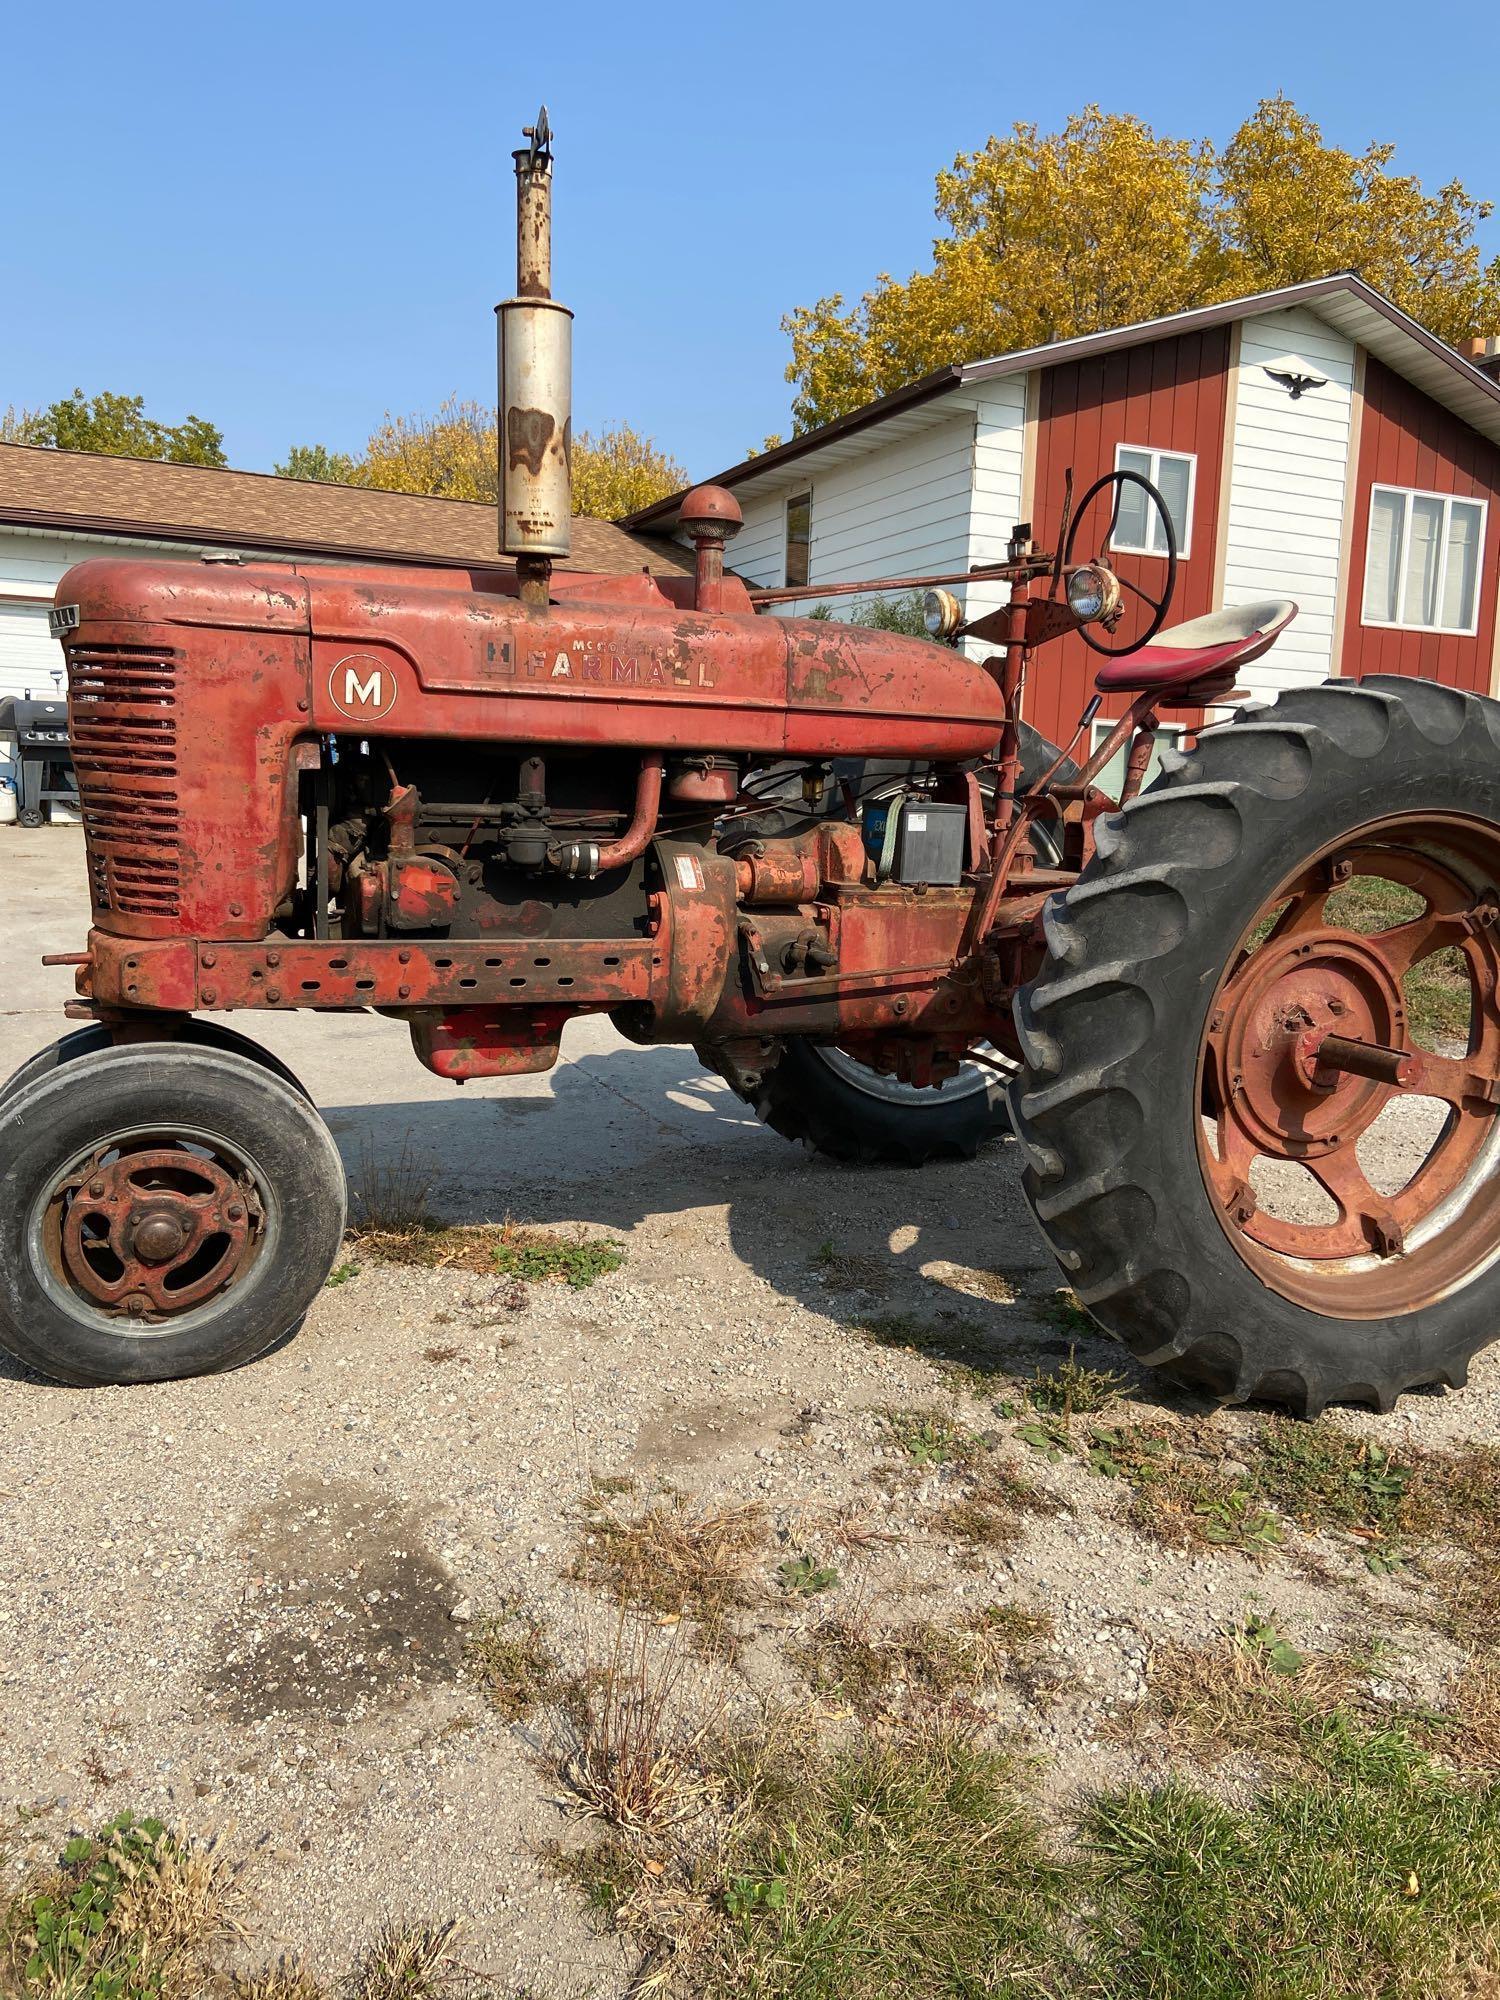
(942, 613)
(1093, 592)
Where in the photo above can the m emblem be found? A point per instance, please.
(362, 688)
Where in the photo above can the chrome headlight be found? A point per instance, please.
(1093, 592)
(942, 613)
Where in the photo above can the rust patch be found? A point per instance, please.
(527, 436)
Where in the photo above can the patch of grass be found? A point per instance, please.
(989, 1515)
(1321, 1476)
(134, 1912)
(1377, 1877)
(931, 1437)
(673, 1557)
(497, 1249)
(918, 1666)
(956, 1346)
(1073, 1389)
(341, 1273)
(509, 1660)
(1255, 1695)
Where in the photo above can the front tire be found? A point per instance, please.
(164, 1211)
(1172, 1090)
(847, 1110)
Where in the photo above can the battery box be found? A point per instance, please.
(930, 840)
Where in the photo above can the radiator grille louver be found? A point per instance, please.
(123, 724)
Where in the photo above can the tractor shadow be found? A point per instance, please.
(943, 1259)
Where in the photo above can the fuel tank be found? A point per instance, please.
(613, 661)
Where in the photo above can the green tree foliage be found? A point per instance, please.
(1107, 222)
(21, 426)
(119, 427)
(455, 454)
(317, 462)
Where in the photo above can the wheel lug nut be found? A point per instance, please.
(135, 1305)
(96, 1189)
(234, 1212)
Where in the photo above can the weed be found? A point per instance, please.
(342, 1273)
(133, 1913)
(673, 1557)
(803, 1576)
(508, 1657)
(632, 1734)
(535, 1255)
(406, 1963)
(390, 1195)
(1066, 1311)
(438, 1355)
(1048, 1435)
(1074, 1390)
(497, 1249)
(928, 1437)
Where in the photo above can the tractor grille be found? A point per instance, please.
(123, 720)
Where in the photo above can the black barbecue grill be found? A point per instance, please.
(44, 759)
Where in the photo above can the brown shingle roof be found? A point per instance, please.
(84, 492)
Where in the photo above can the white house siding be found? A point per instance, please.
(1289, 485)
(999, 476)
(898, 509)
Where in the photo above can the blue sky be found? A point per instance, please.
(289, 219)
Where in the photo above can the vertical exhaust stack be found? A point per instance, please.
(536, 385)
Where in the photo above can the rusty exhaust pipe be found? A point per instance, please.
(536, 386)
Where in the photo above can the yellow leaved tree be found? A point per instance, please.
(454, 454)
(1106, 223)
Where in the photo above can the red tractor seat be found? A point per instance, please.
(1211, 650)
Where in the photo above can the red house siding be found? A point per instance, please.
(1406, 439)
(1168, 395)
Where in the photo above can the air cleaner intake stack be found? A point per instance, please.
(536, 384)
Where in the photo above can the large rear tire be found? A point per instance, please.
(1189, 1156)
(164, 1211)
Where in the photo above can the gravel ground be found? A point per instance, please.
(242, 1602)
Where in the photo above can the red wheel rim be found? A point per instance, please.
(151, 1226)
(1310, 1039)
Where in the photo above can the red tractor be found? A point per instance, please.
(834, 860)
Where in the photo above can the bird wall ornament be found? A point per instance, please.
(1295, 383)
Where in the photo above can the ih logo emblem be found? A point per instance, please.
(362, 688)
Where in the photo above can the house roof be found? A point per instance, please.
(81, 492)
(1346, 302)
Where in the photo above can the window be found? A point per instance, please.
(1422, 560)
(798, 537)
(1138, 528)
(1169, 735)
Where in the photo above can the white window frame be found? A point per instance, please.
(797, 493)
(1406, 494)
(1156, 456)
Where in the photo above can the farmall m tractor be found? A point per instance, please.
(834, 860)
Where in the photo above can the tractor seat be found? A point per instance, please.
(1209, 650)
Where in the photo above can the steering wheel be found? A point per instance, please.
(1157, 606)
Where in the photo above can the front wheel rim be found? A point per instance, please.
(146, 1231)
(1276, 1114)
